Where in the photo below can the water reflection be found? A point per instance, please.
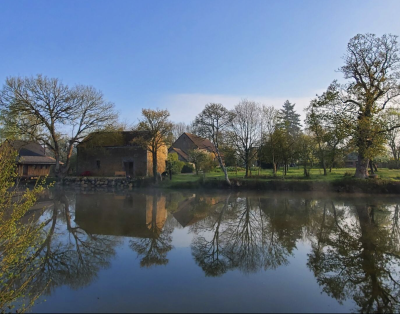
(69, 255)
(354, 246)
(356, 255)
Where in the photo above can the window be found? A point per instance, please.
(98, 164)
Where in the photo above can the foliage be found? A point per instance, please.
(371, 66)
(187, 168)
(18, 241)
(197, 157)
(174, 164)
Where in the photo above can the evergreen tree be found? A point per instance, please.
(289, 119)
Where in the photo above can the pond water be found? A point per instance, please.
(190, 251)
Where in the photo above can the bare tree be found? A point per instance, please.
(210, 123)
(246, 131)
(46, 110)
(178, 129)
(156, 124)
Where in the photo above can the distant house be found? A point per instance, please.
(32, 161)
(187, 142)
(117, 153)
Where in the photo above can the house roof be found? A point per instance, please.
(201, 143)
(27, 148)
(37, 160)
(179, 152)
(31, 153)
(113, 138)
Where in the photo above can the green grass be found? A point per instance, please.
(292, 174)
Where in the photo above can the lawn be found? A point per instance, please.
(293, 174)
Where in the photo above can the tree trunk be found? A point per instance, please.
(362, 167)
(222, 165)
(371, 167)
(247, 164)
(154, 153)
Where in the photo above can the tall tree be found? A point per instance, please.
(46, 110)
(246, 131)
(158, 128)
(289, 119)
(371, 66)
(210, 123)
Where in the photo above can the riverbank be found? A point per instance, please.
(345, 184)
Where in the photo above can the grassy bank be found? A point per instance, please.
(339, 180)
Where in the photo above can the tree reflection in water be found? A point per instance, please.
(69, 255)
(245, 233)
(355, 254)
(153, 249)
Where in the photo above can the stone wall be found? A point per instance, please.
(105, 161)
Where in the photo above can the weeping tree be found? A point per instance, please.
(47, 111)
(210, 123)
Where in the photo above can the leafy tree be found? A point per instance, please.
(158, 128)
(43, 109)
(371, 66)
(197, 157)
(174, 164)
(306, 148)
(18, 241)
(210, 123)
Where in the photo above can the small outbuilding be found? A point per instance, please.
(32, 161)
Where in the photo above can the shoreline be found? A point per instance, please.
(345, 185)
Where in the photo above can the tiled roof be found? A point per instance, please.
(201, 143)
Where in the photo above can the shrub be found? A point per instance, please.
(187, 168)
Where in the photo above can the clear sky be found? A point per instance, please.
(181, 55)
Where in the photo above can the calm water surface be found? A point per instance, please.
(180, 251)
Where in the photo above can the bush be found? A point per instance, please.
(187, 168)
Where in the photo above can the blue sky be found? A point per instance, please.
(181, 55)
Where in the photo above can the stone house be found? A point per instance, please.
(187, 142)
(117, 154)
(32, 161)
